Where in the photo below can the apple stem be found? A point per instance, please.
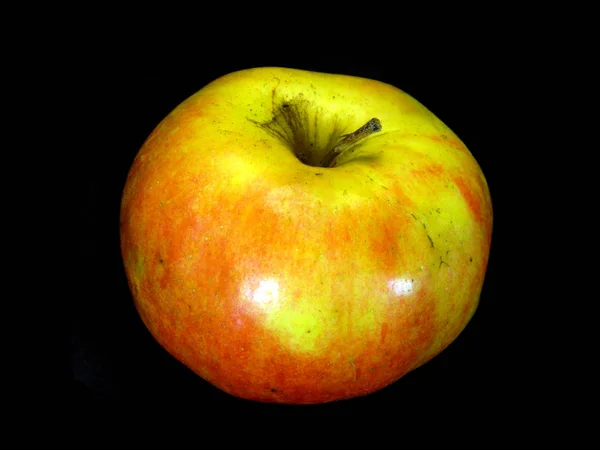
(350, 140)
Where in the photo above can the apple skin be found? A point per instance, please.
(278, 281)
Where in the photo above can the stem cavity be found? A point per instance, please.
(299, 125)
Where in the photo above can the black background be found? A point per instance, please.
(115, 362)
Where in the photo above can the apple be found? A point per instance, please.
(301, 237)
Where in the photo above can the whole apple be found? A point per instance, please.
(301, 237)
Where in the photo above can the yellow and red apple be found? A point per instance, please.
(301, 237)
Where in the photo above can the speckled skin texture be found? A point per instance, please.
(279, 281)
